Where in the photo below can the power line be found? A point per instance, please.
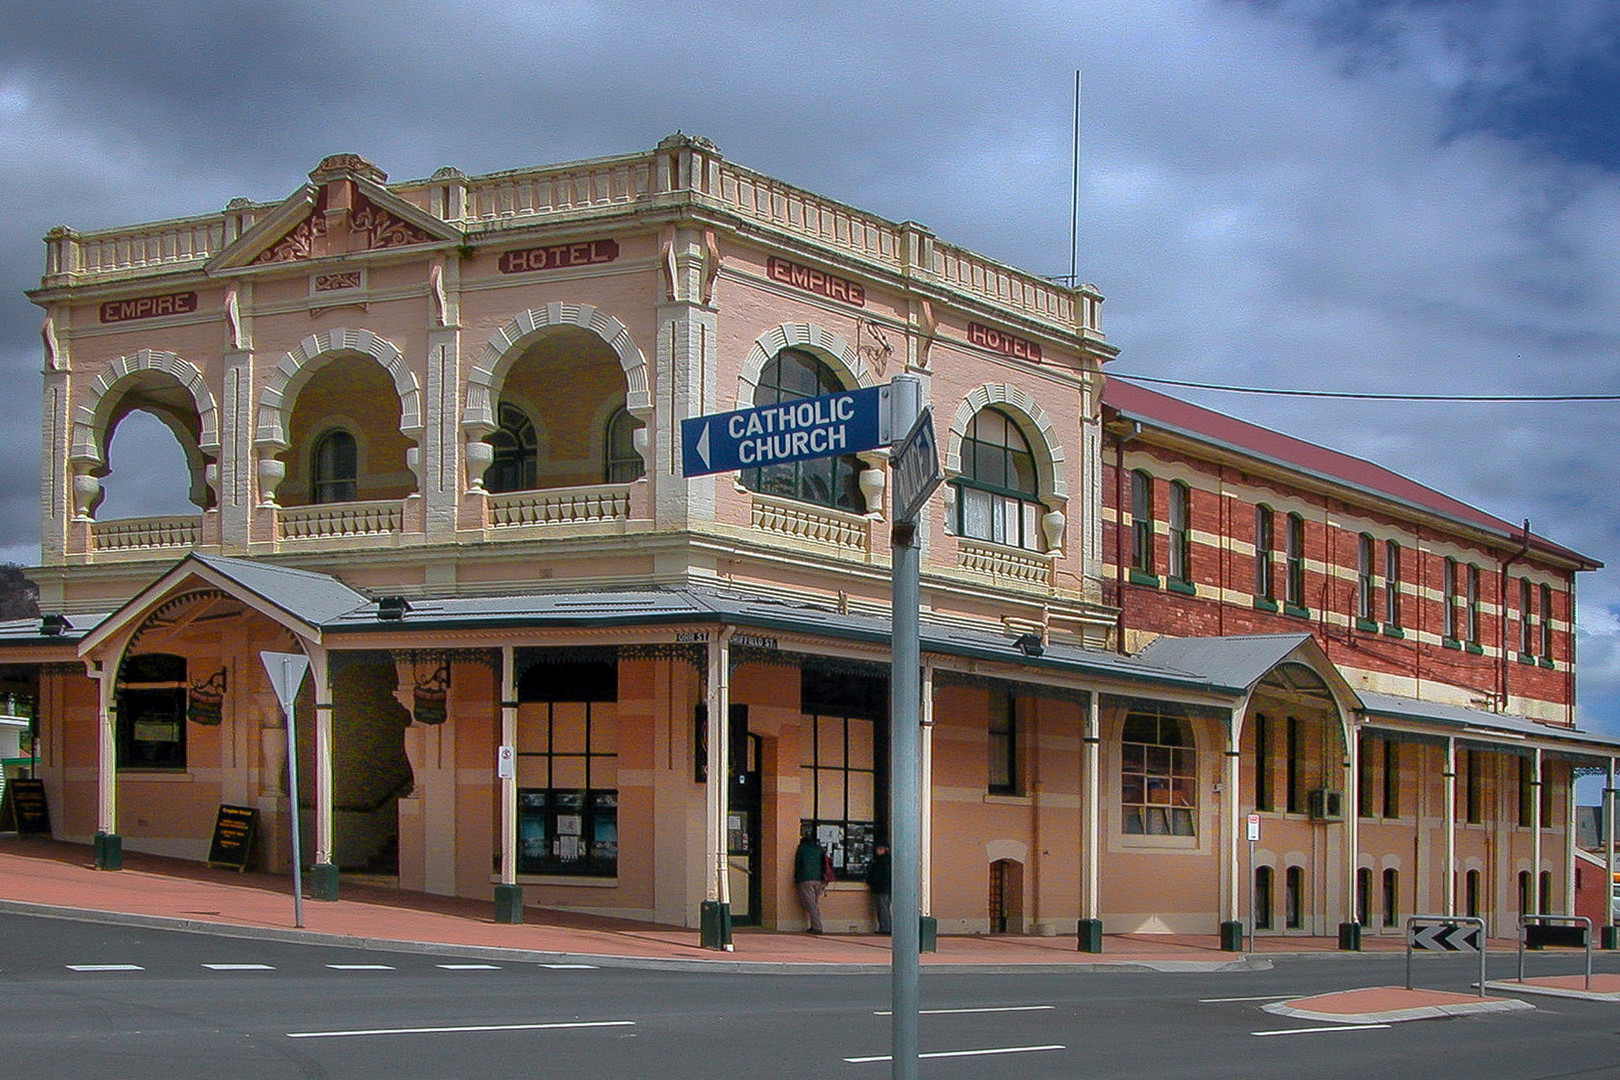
(1345, 394)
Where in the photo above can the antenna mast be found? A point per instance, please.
(1074, 193)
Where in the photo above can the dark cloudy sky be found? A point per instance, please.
(1347, 195)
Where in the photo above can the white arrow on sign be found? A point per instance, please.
(1446, 938)
(703, 446)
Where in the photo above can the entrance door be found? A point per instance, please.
(743, 847)
(1006, 896)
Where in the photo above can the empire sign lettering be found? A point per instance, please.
(559, 256)
(149, 307)
(816, 281)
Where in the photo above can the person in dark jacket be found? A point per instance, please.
(879, 876)
(810, 867)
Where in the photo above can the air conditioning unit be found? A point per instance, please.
(1325, 805)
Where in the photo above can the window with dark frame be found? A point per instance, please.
(621, 463)
(1265, 587)
(1263, 797)
(1293, 751)
(1295, 562)
(1180, 568)
(1527, 619)
(514, 465)
(1364, 777)
(1392, 896)
(1392, 779)
(997, 495)
(1364, 895)
(567, 763)
(1158, 775)
(1392, 585)
(1472, 601)
(1294, 897)
(1142, 561)
(1546, 796)
(1262, 897)
(334, 468)
(1366, 584)
(1547, 624)
(1474, 788)
(151, 715)
(1004, 776)
(1527, 792)
(833, 482)
(1449, 587)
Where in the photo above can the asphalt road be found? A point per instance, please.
(87, 1001)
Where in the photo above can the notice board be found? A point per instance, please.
(233, 837)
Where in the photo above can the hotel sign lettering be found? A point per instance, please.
(149, 307)
(1000, 341)
(559, 256)
(816, 281)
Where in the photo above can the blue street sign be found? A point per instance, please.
(819, 427)
(916, 468)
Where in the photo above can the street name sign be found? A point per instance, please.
(916, 468)
(828, 426)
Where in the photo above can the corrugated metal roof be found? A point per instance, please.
(1207, 425)
(1391, 707)
(305, 594)
(1237, 662)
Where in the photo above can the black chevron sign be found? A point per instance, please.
(1442, 938)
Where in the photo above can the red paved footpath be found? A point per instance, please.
(59, 875)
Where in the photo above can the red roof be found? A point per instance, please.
(1206, 425)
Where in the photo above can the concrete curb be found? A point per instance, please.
(1396, 1016)
(1513, 986)
(642, 963)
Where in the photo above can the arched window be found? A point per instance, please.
(996, 493)
(1392, 896)
(336, 469)
(1364, 896)
(795, 375)
(516, 465)
(1294, 898)
(622, 463)
(1158, 775)
(1262, 897)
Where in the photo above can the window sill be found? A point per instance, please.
(1367, 626)
(172, 776)
(1476, 649)
(1524, 658)
(1262, 603)
(1450, 643)
(1003, 799)
(1186, 588)
(1145, 842)
(1139, 578)
(1297, 611)
(1394, 632)
(1546, 663)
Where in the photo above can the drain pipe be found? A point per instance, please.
(1502, 617)
(1120, 439)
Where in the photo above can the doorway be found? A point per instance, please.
(1006, 897)
(744, 849)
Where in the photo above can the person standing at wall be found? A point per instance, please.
(879, 874)
(810, 871)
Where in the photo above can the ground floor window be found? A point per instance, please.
(1295, 891)
(1471, 894)
(567, 762)
(1364, 896)
(843, 765)
(151, 721)
(1392, 897)
(1262, 898)
(1158, 775)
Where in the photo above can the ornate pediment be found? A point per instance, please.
(344, 210)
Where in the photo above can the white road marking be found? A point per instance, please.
(469, 967)
(1261, 997)
(570, 967)
(961, 1053)
(361, 967)
(451, 1030)
(239, 967)
(986, 1009)
(1322, 1030)
(105, 967)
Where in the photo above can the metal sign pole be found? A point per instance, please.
(906, 766)
(1254, 912)
(286, 671)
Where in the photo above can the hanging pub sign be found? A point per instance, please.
(430, 693)
(206, 699)
(233, 837)
(23, 809)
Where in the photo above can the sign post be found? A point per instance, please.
(286, 671)
(1254, 914)
(905, 738)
